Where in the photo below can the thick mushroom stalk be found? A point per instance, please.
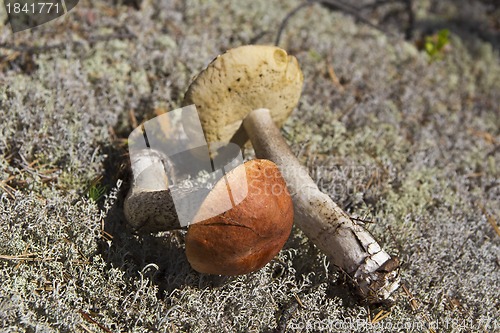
(348, 245)
(149, 206)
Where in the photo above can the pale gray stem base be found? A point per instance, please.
(149, 206)
(348, 245)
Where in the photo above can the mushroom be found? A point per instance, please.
(240, 225)
(247, 236)
(249, 91)
(149, 206)
(239, 81)
(173, 171)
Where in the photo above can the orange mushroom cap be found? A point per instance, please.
(246, 237)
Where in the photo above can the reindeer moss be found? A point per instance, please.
(392, 135)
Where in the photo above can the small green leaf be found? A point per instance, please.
(434, 45)
(96, 192)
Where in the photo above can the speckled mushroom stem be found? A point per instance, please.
(148, 206)
(348, 245)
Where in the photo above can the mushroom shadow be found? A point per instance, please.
(310, 259)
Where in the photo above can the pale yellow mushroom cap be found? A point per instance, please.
(241, 80)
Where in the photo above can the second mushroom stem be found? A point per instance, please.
(348, 245)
